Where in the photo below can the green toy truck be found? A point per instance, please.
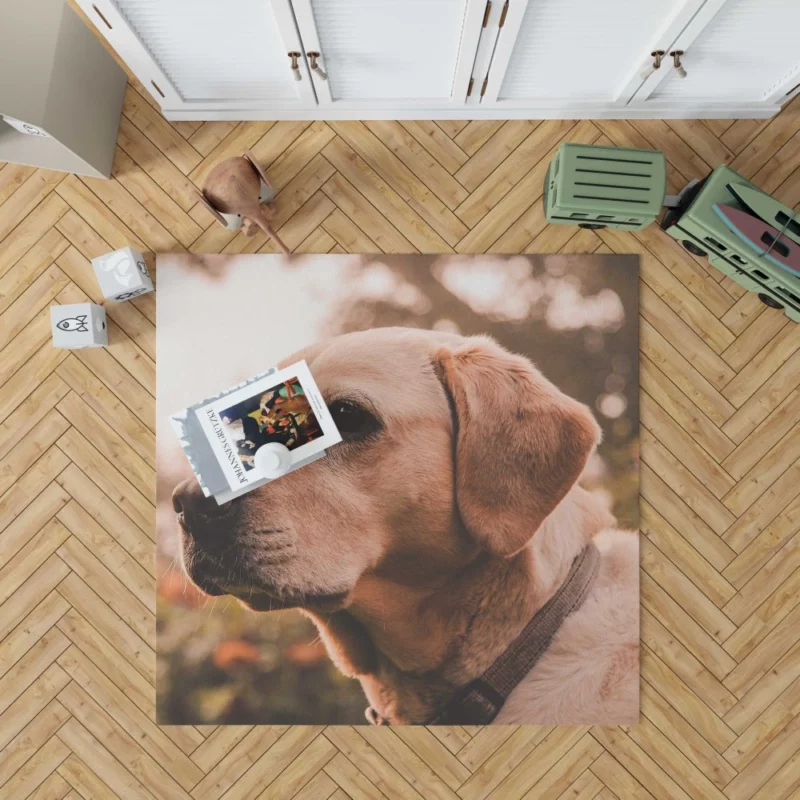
(696, 225)
(599, 187)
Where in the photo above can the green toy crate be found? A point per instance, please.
(605, 187)
(696, 225)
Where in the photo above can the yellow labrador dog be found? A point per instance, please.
(424, 543)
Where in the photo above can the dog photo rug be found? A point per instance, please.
(467, 554)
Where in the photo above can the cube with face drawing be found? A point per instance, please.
(122, 274)
(78, 325)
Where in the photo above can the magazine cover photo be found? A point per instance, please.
(281, 414)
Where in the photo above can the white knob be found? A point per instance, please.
(315, 68)
(676, 60)
(273, 460)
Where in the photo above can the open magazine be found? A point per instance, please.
(221, 435)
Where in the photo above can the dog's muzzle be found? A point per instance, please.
(200, 516)
(206, 528)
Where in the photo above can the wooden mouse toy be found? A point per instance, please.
(237, 192)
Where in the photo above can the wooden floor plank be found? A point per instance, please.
(150, 195)
(108, 478)
(105, 656)
(419, 161)
(151, 738)
(125, 586)
(209, 135)
(30, 230)
(375, 226)
(778, 571)
(511, 170)
(683, 411)
(159, 131)
(684, 737)
(30, 267)
(29, 195)
(387, 201)
(289, 146)
(44, 761)
(26, 454)
(38, 295)
(12, 176)
(437, 143)
(85, 782)
(109, 517)
(705, 143)
(30, 630)
(685, 593)
(97, 723)
(412, 190)
(158, 166)
(47, 539)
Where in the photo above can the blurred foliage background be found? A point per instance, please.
(574, 316)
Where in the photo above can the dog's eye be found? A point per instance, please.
(353, 420)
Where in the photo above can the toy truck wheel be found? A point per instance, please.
(769, 301)
(693, 248)
(592, 226)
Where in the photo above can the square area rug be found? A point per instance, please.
(467, 554)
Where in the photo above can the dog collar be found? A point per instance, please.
(480, 701)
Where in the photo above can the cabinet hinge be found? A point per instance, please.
(469, 88)
(503, 15)
(483, 88)
(487, 12)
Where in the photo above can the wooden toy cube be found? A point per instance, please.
(122, 274)
(78, 325)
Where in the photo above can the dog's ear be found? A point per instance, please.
(210, 208)
(257, 167)
(520, 443)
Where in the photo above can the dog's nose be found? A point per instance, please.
(194, 507)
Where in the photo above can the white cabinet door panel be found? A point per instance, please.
(578, 51)
(748, 52)
(207, 53)
(391, 53)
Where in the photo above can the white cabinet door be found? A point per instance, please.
(208, 54)
(734, 52)
(578, 54)
(389, 54)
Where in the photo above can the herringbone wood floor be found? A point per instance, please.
(720, 479)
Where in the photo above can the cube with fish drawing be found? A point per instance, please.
(78, 325)
(122, 274)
